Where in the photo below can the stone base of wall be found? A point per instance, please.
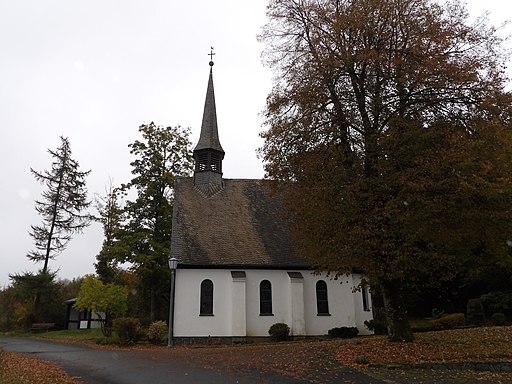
(228, 340)
(490, 366)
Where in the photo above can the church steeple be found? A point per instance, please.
(208, 153)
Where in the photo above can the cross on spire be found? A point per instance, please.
(211, 56)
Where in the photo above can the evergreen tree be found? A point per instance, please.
(61, 206)
(110, 216)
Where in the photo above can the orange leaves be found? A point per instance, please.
(20, 369)
(460, 345)
(314, 361)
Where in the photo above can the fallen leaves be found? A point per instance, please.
(20, 369)
(313, 360)
(458, 345)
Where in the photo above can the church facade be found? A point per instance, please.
(239, 270)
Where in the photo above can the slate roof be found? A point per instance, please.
(209, 138)
(241, 226)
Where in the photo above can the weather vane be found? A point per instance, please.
(211, 56)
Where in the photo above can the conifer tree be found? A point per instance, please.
(110, 216)
(62, 210)
(61, 207)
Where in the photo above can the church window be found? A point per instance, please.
(265, 298)
(366, 302)
(206, 307)
(322, 303)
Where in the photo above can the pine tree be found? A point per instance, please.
(111, 217)
(61, 206)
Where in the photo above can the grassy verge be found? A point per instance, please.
(72, 335)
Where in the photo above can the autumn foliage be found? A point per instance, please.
(389, 128)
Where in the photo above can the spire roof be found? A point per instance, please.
(209, 138)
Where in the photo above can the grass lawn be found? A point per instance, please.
(72, 335)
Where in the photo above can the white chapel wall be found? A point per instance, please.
(187, 321)
(345, 306)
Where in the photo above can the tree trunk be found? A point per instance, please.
(152, 303)
(378, 311)
(399, 328)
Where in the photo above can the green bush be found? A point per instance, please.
(475, 313)
(450, 321)
(128, 330)
(498, 319)
(497, 302)
(343, 332)
(376, 326)
(157, 332)
(436, 314)
(104, 341)
(279, 331)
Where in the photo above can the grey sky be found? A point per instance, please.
(95, 70)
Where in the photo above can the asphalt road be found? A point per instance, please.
(100, 366)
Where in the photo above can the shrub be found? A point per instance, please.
(436, 314)
(376, 326)
(104, 341)
(450, 321)
(343, 332)
(497, 302)
(279, 331)
(475, 313)
(128, 330)
(157, 333)
(499, 318)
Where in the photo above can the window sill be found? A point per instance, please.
(206, 314)
(323, 314)
(266, 314)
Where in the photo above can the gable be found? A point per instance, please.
(241, 225)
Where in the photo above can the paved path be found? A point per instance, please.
(100, 366)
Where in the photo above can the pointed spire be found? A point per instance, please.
(209, 137)
(208, 153)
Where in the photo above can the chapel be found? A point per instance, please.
(239, 270)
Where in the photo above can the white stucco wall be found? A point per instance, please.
(236, 301)
(362, 315)
(187, 321)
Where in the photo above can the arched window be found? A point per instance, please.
(322, 303)
(206, 307)
(265, 298)
(366, 301)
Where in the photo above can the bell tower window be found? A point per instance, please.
(208, 160)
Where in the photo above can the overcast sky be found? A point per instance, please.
(93, 71)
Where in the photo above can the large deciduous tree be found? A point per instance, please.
(390, 119)
(144, 238)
